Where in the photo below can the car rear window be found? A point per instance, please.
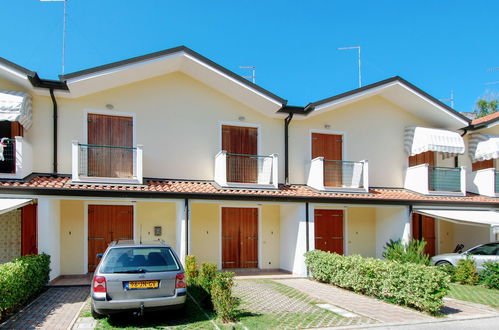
(139, 259)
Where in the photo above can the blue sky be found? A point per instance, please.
(436, 45)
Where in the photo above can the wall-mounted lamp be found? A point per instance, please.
(327, 126)
(109, 106)
(241, 118)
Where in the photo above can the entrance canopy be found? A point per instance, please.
(483, 147)
(488, 218)
(9, 204)
(421, 139)
(16, 106)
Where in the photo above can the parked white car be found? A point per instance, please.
(481, 254)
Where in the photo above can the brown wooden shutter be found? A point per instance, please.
(241, 141)
(329, 146)
(427, 157)
(476, 166)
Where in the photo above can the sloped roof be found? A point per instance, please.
(485, 120)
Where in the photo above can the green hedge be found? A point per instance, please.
(20, 279)
(417, 286)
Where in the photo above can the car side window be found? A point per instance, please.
(485, 250)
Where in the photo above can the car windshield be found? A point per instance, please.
(139, 260)
(490, 249)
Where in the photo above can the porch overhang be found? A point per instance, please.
(9, 204)
(421, 139)
(483, 147)
(470, 217)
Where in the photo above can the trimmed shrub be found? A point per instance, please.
(224, 303)
(417, 286)
(207, 275)
(191, 270)
(21, 279)
(466, 272)
(490, 275)
(449, 270)
(413, 252)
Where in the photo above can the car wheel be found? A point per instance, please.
(443, 263)
(96, 315)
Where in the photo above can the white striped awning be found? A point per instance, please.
(421, 139)
(483, 147)
(16, 106)
(470, 217)
(9, 204)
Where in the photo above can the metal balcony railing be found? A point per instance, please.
(111, 163)
(8, 156)
(343, 173)
(444, 179)
(242, 170)
(338, 175)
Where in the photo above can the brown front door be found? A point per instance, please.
(29, 242)
(423, 227)
(329, 146)
(328, 225)
(105, 133)
(239, 141)
(239, 237)
(427, 157)
(107, 223)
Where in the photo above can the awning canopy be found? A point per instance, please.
(9, 204)
(421, 139)
(483, 147)
(16, 106)
(488, 218)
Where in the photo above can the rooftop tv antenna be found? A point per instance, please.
(360, 70)
(492, 82)
(253, 73)
(450, 99)
(63, 30)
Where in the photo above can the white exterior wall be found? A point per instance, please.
(293, 240)
(49, 227)
(177, 120)
(391, 223)
(373, 131)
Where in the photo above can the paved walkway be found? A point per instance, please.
(358, 304)
(56, 308)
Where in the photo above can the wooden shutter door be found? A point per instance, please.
(117, 131)
(230, 237)
(329, 146)
(248, 233)
(337, 231)
(427, 157)
(29, 237)
(328, 226)
(476, 166)
(423, 227)
(241, 141)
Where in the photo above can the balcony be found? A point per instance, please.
(485, 182)
(337, 175)
(106, 164)
(246, 171)
(436, 180)
(16, 160)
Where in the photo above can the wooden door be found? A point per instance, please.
(104, 133)
(329, 146)
(427, 157)
(29, 235)
(239, 237)
(423, 227)
(328, 226)
(240, 140)
(107, 223)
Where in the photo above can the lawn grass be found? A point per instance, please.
(476, 294)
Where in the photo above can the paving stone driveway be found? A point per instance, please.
(56, 308)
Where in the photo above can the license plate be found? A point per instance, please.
(137, 285)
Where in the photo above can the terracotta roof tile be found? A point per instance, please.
(206, 187)
(485, 119)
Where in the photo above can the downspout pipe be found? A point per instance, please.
(456, 160)
(55, 124)
(287, 121)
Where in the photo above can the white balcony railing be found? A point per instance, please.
(106, 164)
(336, 175)
(484, 182)
(436, 180)
(16, 158)
(246, 171)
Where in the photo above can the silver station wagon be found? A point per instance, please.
(482, 253)
(137, 277)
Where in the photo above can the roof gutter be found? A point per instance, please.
(51, 85)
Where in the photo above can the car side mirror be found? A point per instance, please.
(99, 255)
